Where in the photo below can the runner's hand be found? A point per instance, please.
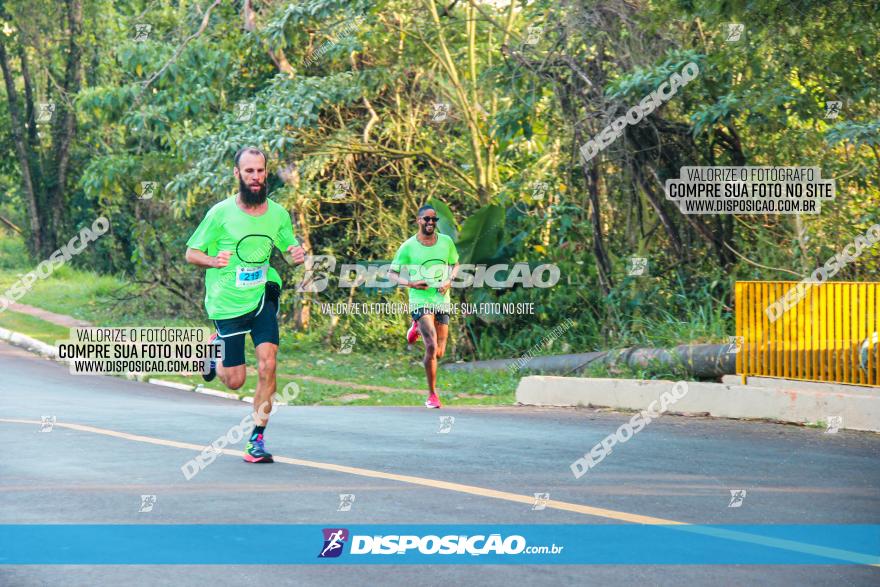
(419, 284)
(443, 287)
(298, 254)
(222, 259)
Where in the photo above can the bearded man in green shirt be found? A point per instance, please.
(425, 259)
(242, 291)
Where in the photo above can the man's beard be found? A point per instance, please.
(425, 232)
(248, 197)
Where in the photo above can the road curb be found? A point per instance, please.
(859, 407)
(32, 345)
(48, 351)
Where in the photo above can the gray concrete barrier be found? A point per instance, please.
(859, 407)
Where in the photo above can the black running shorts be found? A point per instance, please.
(261, 323)
(439, 317)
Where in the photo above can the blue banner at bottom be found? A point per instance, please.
(607, 544)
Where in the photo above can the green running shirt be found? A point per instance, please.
(236, 289)
(417, 262)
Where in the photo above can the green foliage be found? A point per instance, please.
(481, 235)
(13, 253)
(867, 133)
(644, 80)
(355, 104)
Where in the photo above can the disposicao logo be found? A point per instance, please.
(457, 545)
(409, 544)
(334, 539)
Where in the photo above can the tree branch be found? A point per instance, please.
(180, 48)
(277, 55)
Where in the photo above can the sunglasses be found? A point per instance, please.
(430, 219)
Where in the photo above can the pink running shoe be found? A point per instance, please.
(255, 451)
(433, 401)
(413, 333)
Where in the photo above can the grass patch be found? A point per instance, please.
(456, 387)
(33, 327)
(13, 253)
(89, 296)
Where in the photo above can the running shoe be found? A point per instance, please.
(255, 451)
(413, 333)
(212, 363)
(433, 401)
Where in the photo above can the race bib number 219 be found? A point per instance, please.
(250, 276)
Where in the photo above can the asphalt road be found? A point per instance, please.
(678, 468)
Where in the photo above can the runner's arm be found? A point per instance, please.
(202, 259)
(401, 260)
(204, 239)
(448, 283)
(453, 260)
(395, 277)
(297, 253)
(287, 241)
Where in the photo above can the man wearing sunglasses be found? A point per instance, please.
(425, 259)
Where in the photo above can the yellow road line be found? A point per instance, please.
(855, 557)
(472, 489)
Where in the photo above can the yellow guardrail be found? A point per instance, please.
(809, 332)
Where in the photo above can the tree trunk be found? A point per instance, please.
(36, 240)
(64, 130)
(303, 314)
(657, 203)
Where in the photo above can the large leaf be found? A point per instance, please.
(508, 249)
(447, 224)
(480, 235)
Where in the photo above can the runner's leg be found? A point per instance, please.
(442, 336)
(264, 332)
(266, 353)
(429, 335)
(232, 376)
(230, 368)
